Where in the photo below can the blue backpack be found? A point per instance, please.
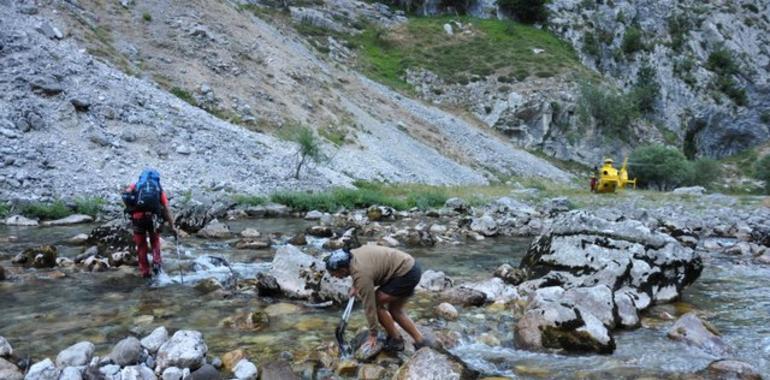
(148, 192)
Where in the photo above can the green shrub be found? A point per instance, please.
(647, 89)
(721, 61)
(146, 16)
(729, 87)
(762, 171)
(660, 167)
(611, 110)
(47, 211)
(591, 45)
(309, 146)
(765, 117)
(632, 41)
(89, 205)
(526, 11)
(706, 172)
(249, 200)
(678, 27)
(183, 94)
(426, 200)
(4, 210)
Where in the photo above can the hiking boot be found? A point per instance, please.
(393, 345)
(425, 342)
(155, 269)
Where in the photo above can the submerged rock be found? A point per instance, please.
(186, 349)
(732, 369)
(230, 359)
(278, 370)
(511, 275)
(70, 220)
(446, 311)
(428, 363)
(464, 296)
(43, 256)
(693, 331)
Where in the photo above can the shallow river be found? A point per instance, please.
(41, 316)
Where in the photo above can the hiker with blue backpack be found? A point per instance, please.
(147, 206)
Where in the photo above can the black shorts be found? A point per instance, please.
(403, 286)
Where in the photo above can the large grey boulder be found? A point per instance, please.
(434, 281)
(20, 221)
(9, 371)
(70, 220)
(79, 354)
(485, 225)
(300, 275)
(215, 230)
(693, 331)
(197, 213)
(185, 349)
(43, 370)
(429, 364)
(127, 352)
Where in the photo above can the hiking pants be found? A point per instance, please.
(145, 227)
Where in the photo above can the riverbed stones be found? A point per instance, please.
(446, 311)
(245, 370)
(303, 276)
(71, 373)
(20, 221)
(511, 275)
(434, 281)
(43, 256)
(215, 230)
(70, 220)
(695, 332)
(185, 349)
(278, 370)
(232, 358)
(428, 363)
(463, 296)
(9, 371)
(172, 373)
(205, 372)
(127, 352)
(156, 338)
(43, 370)
(137, 372)
(78, 354)
(5, 348)
(485, 225)
(371, 372)
(732, 369)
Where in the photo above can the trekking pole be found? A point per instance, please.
(339, 332)
(178, 257)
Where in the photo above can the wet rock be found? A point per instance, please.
(21, 221)
(303, 276)
(215, 230)
(298, 239)
(485, 225)
(346, 368)
(253, 320)
(70, 220)
(417, 238)
(9, 371)
(78, 354)
(185, 349)
(71, 373)
(137, 372)
(78, 239)
(334, 244)
(457, 205)
(320, 231)
(314, 215)
(371, 372)
(231, 359)
(250, 233)
(267, 285)
(112, 236)
(494, 289)
(251, 243)
(464, 296)
(127, 352)
(628, 316)
(123, 258)
(693, 331)
(205, 372)
(208, 285)
(446, 311)
(430, 364)
(5, 348)
(378, 213)
(172, 373)
(245, 370)
(43, 370)
(2, 276)
(278, 370)
(38, 257)
(156, 338)
(511, 275)
(96, 264)
(732, 369)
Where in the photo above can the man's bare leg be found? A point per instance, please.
(396, 308)
(384, 316)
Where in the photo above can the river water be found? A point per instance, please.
(41, 316)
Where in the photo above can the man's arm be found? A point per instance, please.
(365, 289)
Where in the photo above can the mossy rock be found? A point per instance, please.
(43, 256)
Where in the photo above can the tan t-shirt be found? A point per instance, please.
(372, 266)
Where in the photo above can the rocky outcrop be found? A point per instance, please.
(590, 275)
(300, 275)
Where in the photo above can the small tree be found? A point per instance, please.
(526, 11)
(647, 89)
(611, 110)
(706, 172)
(660, 167)
(309, 146)
(762, 171)
(632, 41)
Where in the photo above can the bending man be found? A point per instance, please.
(384, 279)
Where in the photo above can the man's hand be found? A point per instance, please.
(371, 341)
(352, 292)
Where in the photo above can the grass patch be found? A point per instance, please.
(335, 134)
(249, 200)
(504, 48)
(184, 95)
(4, 210)
(89, 205)
(47, 211)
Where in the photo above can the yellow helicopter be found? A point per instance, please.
(611, 179)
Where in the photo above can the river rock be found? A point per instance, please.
(78, 239)
(110, 371)
(320, 231)
(185, 349)
(463, 296)
(137, 372)
(231, 359)
(428, 363)
(205, 372)
(278, 370)
(693, 331)
(71, 373)
(113, 236)
(371, 372)
(692, 190)
(377, 213)
(446, 311)
(9, 371)
(596, 300)
(2, 275)
(250, 233)
(43, 256)
(156, 338)
(434, 281)
(732, 369)
(314, 215)
(485, 225)
(494, 289)
(215, 230)
(298, 239)
(511, 275)
(172, 373)
(208, 285)
(127, 352)
(5, 348)
(96, 264)
(70, 220)
(78, 354)
(303, 276)
(457, 205)
(20, 221)
(245, 370)
(43, 370)
(252, 243)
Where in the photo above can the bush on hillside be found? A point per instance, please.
(611, 110)
(526, 11)
(660, 167)
(647, 89)
(632, 41)
(459, 6)
(762, 172)
(706, 172)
